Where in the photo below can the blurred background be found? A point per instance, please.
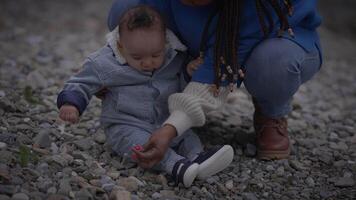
(43, 42)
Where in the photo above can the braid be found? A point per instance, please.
(227, 34)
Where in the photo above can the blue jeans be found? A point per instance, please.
(275, 70)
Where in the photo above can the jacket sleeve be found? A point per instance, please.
(79, 89)
(190, 108)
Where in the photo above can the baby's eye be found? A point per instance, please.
(156, 56)
(136, 58)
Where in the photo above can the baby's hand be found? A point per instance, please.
(193, 65)
(69, 113)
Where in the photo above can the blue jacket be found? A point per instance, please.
(188, 22)
(135, 97)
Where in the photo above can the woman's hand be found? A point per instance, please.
(156, 147)
(193, 65)
(69, 113)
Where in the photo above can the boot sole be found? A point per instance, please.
(216, 163)
(273, 155)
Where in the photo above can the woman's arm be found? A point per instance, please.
(188, 109)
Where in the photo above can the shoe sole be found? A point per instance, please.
(273, 155)
(190, 175)
(216, 163)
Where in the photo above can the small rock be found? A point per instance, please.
(3, 146)
(249, 196)
(54, 148)
(100, 138)
(129, 184)
(229, 184)
(84, 144)
(280, 171)
(269, 168)
(20, 196)
(120, 195)
(42, 140)
(339, 146)
(345, 182)
(52, 190)
(4, 197)
(310, 182)
(64, 186)
(156, 195)
(250, 150)
(83, 194)
(296, 165)
(168, 194)
(7, 189)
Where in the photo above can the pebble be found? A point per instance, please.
(345, 182)
(100, 138)
(20, 196)
(42, 139)
(129, 184)
(120, 195)
(229, 184)
(250, 150)
(310, 182)
(3, 146)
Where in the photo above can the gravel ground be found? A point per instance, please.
(43, 42)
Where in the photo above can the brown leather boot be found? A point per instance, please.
(272, 136)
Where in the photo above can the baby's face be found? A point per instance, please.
(143, 49)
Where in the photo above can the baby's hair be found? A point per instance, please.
(227, 33)
(141, 16)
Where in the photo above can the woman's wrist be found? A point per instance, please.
(171, 130)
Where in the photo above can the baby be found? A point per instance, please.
(142, 64)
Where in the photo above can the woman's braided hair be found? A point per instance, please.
(227, 34)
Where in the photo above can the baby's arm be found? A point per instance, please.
(77, 92)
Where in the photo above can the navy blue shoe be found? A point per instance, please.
(185, 171)
(214, 160)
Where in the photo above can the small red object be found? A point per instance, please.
(137, 148)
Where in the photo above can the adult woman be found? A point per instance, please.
(270, 45)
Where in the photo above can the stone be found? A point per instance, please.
(83, 194)
(345, 182)
(310, 182)
(100, 138)
(20, 196)
(129, 184)
(156, 195)
(42, 139)
(120, 195)
(64, 186)
(7, 189)
(4, 197)
(249, 196)
(3, 146)
(84, 144)
(250, 150)
(229, 184)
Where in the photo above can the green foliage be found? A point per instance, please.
(29, 97)
(26, 155)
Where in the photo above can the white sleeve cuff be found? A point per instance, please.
(180, 120)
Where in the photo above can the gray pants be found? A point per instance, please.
(123, 137)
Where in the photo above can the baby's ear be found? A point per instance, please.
(119, 45)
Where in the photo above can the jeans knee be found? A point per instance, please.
(272, 71)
